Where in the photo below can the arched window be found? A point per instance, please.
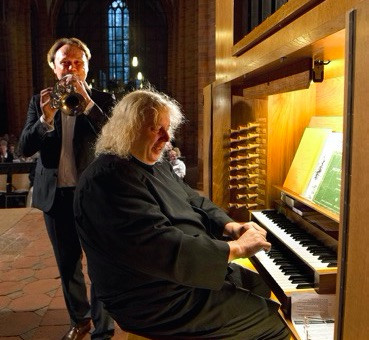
(118, 41)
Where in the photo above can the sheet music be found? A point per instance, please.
(312, 315)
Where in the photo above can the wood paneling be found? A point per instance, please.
(323, 20)
(292, 10)
(206, 142)
(356, 285)
(221, 123)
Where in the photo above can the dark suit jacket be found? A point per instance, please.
(34, 138)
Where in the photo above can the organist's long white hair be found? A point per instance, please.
(128, 116)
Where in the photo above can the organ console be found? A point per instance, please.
(265, 84)
(245, 157)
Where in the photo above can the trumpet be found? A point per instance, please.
(65, 97)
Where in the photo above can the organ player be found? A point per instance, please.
(155, 248)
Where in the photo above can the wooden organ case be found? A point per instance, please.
(303, 66)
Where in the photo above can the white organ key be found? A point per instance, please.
(300, 250)
(281, 278)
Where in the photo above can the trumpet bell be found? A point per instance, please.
(65, 98)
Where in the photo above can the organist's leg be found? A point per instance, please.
(249, 280)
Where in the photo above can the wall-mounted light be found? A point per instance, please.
(318, 70)
(139, 76)
(134, 61)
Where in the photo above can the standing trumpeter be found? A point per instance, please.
(66, 146)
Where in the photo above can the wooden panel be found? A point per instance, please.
(356, 287)
(242, 111)
(288, 115)
(221, 125)
(323, 20)
(223, 36)
(285, 84)
(329, 97)
(206, 143)
(279, 19)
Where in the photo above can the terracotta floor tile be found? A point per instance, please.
(26, 262)
(7, 257)
(41, 244)
(50, 332)
(32, 305)
(47, 273)
(14, 324)
(29, 302)
(41, 311)
(15, 295)
(4, 302)
(5, 265)
(10, 287)
(17, 274)
(48, 262)
(57, 303)
(41, 286)
(55, 317)
(37, 248)
(59, 292)
(14, 246)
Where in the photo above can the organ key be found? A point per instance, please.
(297, 260)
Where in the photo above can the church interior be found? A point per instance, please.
(274, 94)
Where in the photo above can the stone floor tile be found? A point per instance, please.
(51, 293)
(57, 303)
(29, 302)
(15, 247)
(41, 311)
(4, 302)
(26, 262)
(17, 274)
(41, 244)
(5, 265)
(54, 332)
(59, 291)
(29, 280)
(7, 257)
(10, 287)
(37, 248)
(47, 273)
(41, 286)
(55, 317)
(15, 324)
(28, 335)
(15, 295)
(48, 262)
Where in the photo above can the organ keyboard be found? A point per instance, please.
(297, 262)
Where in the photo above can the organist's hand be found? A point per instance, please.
(249, 243)
(234, 230)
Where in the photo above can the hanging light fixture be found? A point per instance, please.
(134, 61)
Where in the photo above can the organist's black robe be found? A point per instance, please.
(154, 255)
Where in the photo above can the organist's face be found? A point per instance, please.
(152, 137)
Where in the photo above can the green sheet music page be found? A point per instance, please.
(328, 192)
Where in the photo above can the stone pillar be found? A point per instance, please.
(18, 63)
